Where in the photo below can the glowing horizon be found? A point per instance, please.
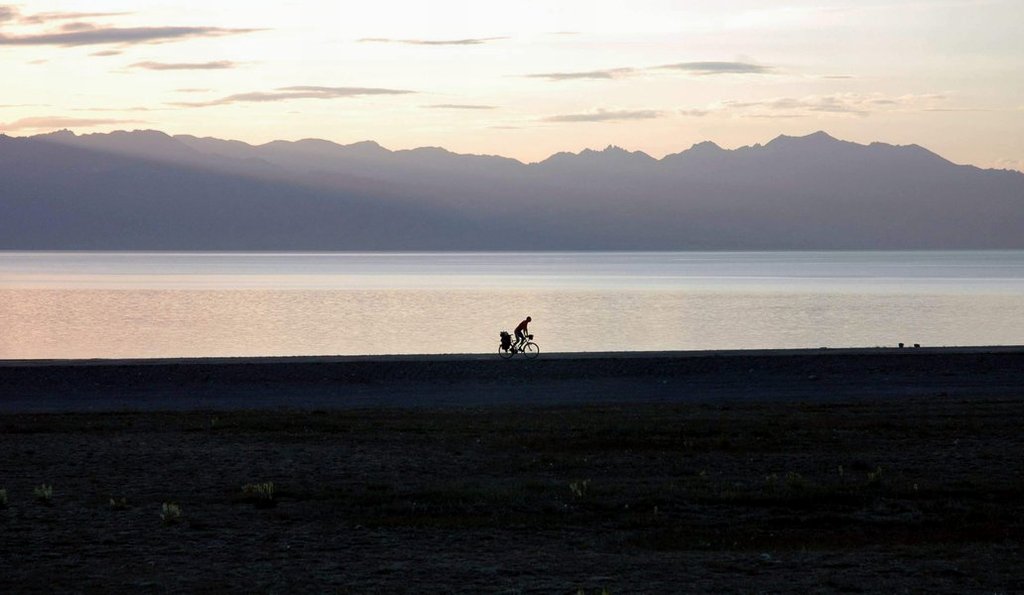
(529, 79)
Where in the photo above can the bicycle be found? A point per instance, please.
(528, 348)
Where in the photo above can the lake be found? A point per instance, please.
(114, 305)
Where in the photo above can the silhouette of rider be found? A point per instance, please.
(521, 331)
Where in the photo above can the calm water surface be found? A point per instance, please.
(85, 305)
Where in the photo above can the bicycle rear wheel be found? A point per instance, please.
(531, 350)
(505, 353)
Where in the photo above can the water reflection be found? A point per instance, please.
(74, 306)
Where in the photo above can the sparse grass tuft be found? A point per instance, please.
(579, 488)
(3, 498)
(44, 494)
(261, 495)
(170, 513)
(795, 481)
(118, 504)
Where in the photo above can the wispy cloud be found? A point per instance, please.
(695, 68)
(217, 65)
(467, 41)
(12, 13)
(711, 68)
(852, 104)
(1014, 164)
(49, 17)
(775, 116)
(119, 35)
(137, 108)
(957, 109)
(610, 73)
(51, 122)
(815, 103)
(465, 106)
(107, 53)
(192, 90)
(295, 92)
(602, 115)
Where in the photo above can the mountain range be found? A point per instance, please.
(146, 190)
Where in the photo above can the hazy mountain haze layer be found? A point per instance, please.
(145, 190)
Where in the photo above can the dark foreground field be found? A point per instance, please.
(915, 494)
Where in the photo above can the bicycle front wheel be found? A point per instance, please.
(505, 353)
(531, 350)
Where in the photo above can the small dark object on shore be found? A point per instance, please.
(917, 344)
(901, 345)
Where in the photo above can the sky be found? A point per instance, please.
(528, 78)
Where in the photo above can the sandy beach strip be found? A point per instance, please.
(481, 380)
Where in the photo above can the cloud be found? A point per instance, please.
(11, 13)
(107, 53)
(697, 68)
(853, 104)
(119, 35)
(138, 108)
(468, 41)
(610, 73)
(295, 92)
(694, 112)
(957, 109)
(709, 68)
(218, 65)
(776, 116)
(606, 116)
(51, 122)
(468, 106)
(47, 17)
(192, 90)
(838, 76)
(75, 29)
(78, 26)
(1014, 164)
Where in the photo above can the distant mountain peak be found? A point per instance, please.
(138, 133)
(611, 152)
(319, 142)
(706, 147)
(819, 137)
(365, 144)
(140, 190)
(432, 150)
(62, 134)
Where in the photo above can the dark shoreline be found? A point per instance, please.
(888, 495)
(811, 471)
(814, 375)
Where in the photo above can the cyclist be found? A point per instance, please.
(521, 332)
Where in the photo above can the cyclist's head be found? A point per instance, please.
(528, 319)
